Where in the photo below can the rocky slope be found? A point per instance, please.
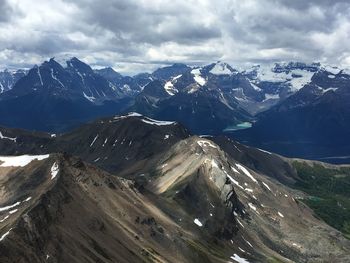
(169, 197)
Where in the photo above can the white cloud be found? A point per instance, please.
(133, 35)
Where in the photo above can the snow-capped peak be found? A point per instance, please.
(293, 74)
(63, 59)
(221, 68)
(332, 69)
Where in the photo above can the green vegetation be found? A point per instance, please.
(329, 191)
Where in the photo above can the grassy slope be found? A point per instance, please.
(329, 191)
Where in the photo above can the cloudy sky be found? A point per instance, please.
(139, 35)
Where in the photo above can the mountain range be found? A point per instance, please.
(313, 122)
(129, 188)
(294, 108)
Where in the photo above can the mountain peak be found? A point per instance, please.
(221, 68)
(165, 73)
(52, 63)
(109, 73)
(78, 65)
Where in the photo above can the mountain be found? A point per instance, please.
(127, 139)
(53, 98)
(235, 95)
(116, 223)
(77, 80)
(180, 198)
(191, 99)
(211, 99)
(312, 123)
(168, 72)
(135, 84)
(128, 85)
(9, 78)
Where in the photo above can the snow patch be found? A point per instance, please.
(54, 170)
(239, 222)
(332, 69)
(203, 143)
(7, 138)
(214, 164)
(296, 78)
(169, 86)
(6, 217)
(4, 235)
(255, 86)
(130, 114)
(21, 160)
(247, 242)
(246, 172)
(238, 259)
(197, 222)
(326, 90)
(92, 143)
(234, 169)
(40, 78)
(264, 151)
(271, 96)
(90, 98)
(156, 122)
(197, 77)
(252, 206)
(266, 186)
(28, 199)
(234, 181)
(241, 250)
(5, 208)
(296, 245)
(55, 78)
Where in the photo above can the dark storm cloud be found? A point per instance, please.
(165, 31)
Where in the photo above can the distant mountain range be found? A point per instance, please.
(129, 188)
(53, 98)
(312, 123)
(294, 108)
